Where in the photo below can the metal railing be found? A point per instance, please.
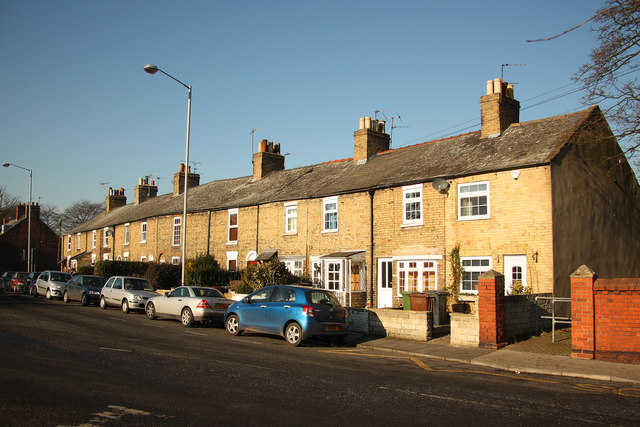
(554, 319)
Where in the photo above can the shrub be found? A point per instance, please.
(269, 273)
(85, 269)
(204, 270)
(107, 268)
(163, 276)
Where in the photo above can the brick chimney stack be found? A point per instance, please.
(178, 180)
(498, 108)
(268, 159)
(370, 139)
(115, 199)
(144, 191)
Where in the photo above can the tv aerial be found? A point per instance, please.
(509, 65)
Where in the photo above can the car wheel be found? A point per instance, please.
(293, 334)
(151, 311)
(65, 297)
(84, 300)
(233, 325)
(48, 294)
(103, 303)
(125, 306)
(186, 317)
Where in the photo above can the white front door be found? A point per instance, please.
(515, 272)
(385, 280)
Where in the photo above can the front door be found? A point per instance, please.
(385, 280)
(515, 273)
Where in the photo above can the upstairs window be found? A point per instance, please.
(177, 225)
(412, 205)
(105, 237)
(126, 234)
(473, 201)
(143, 232)
(291, 218)
(233, 225)
(93, 239)
(68, 242)
(78, 241)
(330, 214)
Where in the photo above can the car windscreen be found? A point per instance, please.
(322, 297)
(60, 277)
(207, 292)
(137, 285)
(94, 282)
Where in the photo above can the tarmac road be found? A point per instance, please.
(64, 364)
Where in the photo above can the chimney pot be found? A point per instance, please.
(361, 122)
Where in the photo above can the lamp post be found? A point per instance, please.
(152, 69)
(6, 165)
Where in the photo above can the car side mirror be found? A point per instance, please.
(166, 295)
(246, 300)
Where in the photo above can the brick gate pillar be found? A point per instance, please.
(491, 310)
(583, 338)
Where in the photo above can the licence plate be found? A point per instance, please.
(331, 328)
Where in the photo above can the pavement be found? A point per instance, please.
(536, 355)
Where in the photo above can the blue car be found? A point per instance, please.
(294, 312)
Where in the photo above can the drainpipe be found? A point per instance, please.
(372, 192)
(209, 234)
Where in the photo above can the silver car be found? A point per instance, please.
(189, 304)
(128, 293)
(51, 283)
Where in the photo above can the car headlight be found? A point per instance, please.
(137, 298)
(56, 287)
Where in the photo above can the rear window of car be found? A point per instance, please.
(322, 297)
(22, 276)
(96, 282)
(207, 292)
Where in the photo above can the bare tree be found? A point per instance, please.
(78, 213)
(610, 77)
(51, 216)
(7, 200)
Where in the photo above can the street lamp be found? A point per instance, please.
(152, 69)
(6, 165)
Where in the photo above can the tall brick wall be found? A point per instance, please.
(605, 315)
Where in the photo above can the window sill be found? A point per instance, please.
(328, 231)
(231, 243)
(474, 218)
(290, 234)
(412, 224)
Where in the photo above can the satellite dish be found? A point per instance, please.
(442, 185)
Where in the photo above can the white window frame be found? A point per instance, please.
(232, 256)
(105, 257)
(291, 218)
(421, 266)
(466, 191)
(412, 194)
(93, 259)
(327, 201)
(333, 283)
(94, 239)
(143, 258)
(143, 232)
(69, 243)
(479, 269)
(126, 233)
(78, 241)
(295, 265)
(105, 237)
(175, 260)
(177, 232)
(230, 227)
(316, 272)
(125, 256)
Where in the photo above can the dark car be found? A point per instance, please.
(31, 282)
(19, 282)
(294, 312)
(84, 288)
(5, 280)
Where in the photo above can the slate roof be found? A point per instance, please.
(521, 145)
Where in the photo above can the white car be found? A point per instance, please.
(51, 283)
(189, 304)
(128, 293)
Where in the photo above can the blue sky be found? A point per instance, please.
(78, 109)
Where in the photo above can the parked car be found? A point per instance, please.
(294, 312)
(128, 293)
(189, 304)
(31, 282)
(51, 283)
(84, 288)
(19, 281)
(5, 281)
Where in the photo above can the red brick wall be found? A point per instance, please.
(491, 310)
(605, 316)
